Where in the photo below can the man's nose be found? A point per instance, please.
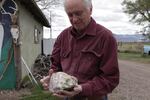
(75, 18)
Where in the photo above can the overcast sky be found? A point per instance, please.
(108, 13)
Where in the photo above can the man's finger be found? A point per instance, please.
(67, 93)
(51, 72)
(42, 81)
(59, 95)
(78, 88)
(45, 85)
(46, 88)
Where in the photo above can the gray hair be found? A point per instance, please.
(88, 3)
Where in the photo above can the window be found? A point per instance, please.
(36, 35)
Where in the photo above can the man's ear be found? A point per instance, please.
(91, 9)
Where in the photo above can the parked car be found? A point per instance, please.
(146, 49)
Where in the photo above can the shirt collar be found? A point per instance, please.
(89, 30)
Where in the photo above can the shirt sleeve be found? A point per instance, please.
(108, 79)
(55, 57)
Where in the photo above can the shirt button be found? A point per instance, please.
(89, 58)
(64, 55)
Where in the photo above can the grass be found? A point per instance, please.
(38, 94)
(133, 51)
(138, 57)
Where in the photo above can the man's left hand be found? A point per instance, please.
(64, 93)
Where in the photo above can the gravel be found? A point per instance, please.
(134, 82)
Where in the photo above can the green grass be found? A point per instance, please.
(38, 94)
(134, 57)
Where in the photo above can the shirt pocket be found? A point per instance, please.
(65, 62)
(90, 60)
(65, 54)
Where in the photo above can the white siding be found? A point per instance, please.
(29, 50)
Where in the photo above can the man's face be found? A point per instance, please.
(79, 15)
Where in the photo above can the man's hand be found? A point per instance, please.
(45, 81)
(64, 93)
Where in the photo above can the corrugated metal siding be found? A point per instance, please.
(48, 45)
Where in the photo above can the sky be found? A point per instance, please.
(108, 13)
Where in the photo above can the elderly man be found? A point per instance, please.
(87, 51)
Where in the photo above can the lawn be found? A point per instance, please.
(38, 94)
(134, 57)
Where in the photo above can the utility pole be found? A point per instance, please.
(51, 40)
(50, 21)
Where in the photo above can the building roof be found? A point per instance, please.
(32, 7)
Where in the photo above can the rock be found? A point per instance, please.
(62, 81)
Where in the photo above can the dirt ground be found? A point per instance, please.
(134, 84)
(13, 94)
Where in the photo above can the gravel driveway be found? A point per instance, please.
(134, 82)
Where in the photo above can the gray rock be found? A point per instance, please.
(62, 81)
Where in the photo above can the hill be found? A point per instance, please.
(131, 38)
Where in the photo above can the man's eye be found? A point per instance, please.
(78, 13)
(70, 14)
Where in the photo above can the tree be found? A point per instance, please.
(46, 7)
(139, 11)
(47, 4)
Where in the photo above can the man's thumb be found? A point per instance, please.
(51, 72)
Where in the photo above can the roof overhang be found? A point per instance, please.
(32, 7)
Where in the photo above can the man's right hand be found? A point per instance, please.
(45, 80)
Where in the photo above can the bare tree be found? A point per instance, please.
(47, 4)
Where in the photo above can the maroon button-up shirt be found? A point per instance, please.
(90, 56)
